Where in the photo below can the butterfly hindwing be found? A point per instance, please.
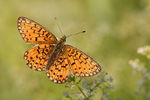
(33, 32)
(80, 64)
(58, 72)
(38, 56)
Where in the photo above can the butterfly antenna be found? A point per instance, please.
(76, 33)
(58, 26)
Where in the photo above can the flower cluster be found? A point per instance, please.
(142, 67)
(88, 89)
(145, 51)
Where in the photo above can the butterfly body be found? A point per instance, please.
(52, 55)
(56, 51)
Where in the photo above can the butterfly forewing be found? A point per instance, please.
(33, 32)
(81, 65)
(38, 56)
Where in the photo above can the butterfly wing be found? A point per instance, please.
(38, 56)
(58, 72)
(81, 65)
(33, 32)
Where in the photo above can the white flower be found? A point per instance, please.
(136, 65)
(140, 50)
(144, 51)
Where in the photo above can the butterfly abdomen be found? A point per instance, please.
(56, 52)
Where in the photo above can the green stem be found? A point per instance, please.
(70, 97)
(80, 90)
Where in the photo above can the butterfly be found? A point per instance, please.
(52, 55)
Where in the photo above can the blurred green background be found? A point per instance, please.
(114, 31)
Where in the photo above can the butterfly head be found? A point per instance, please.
(63, 39)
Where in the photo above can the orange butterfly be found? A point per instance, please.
(52, 55)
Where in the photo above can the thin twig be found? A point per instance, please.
(80, 90)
